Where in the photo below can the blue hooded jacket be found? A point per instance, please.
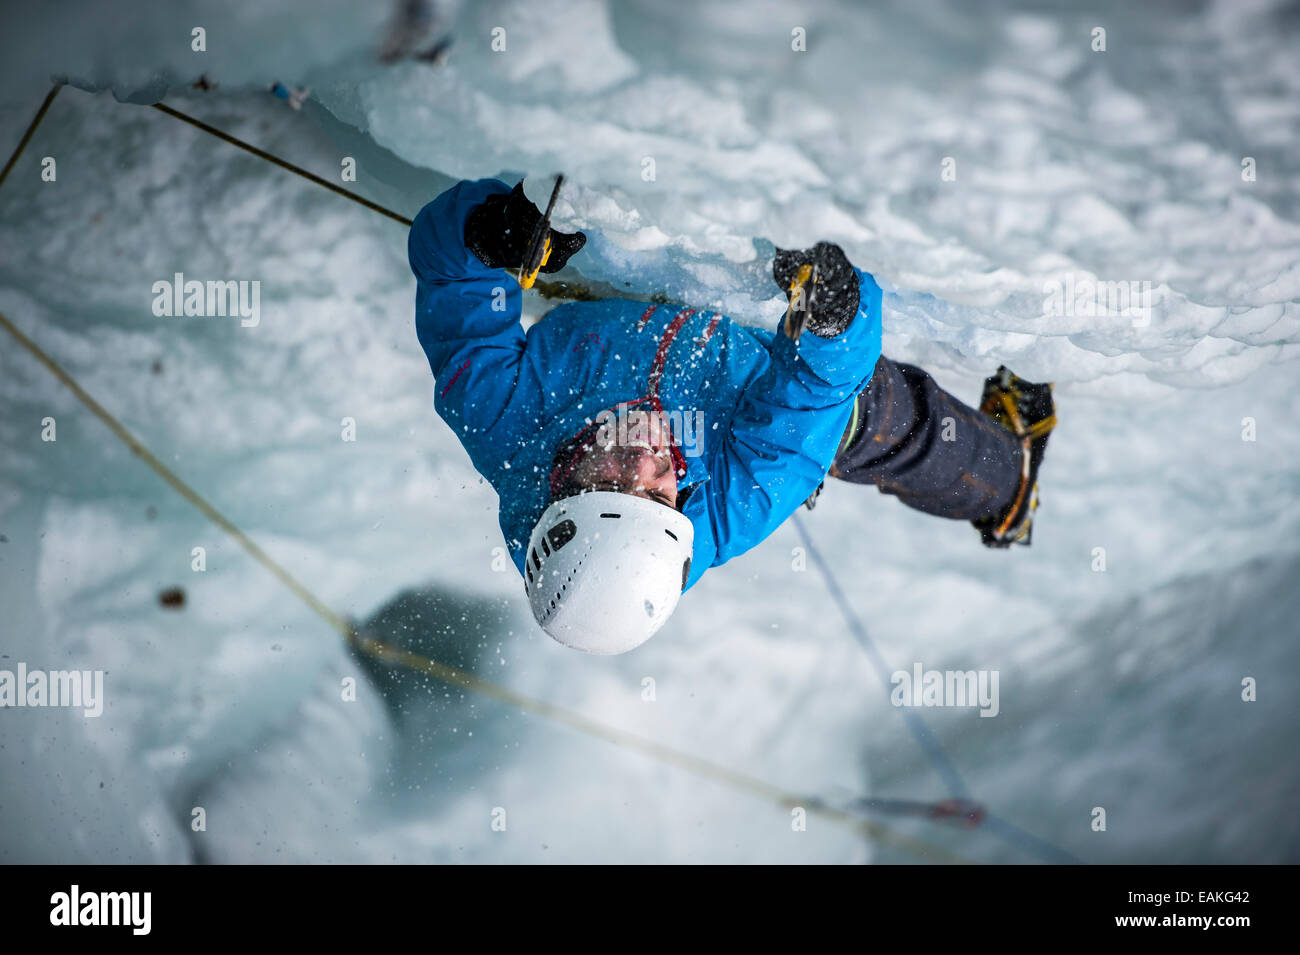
(773, 411)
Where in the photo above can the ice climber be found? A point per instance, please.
(635, 445)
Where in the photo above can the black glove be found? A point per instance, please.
(831, 299)
(499, 231)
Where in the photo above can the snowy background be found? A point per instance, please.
(1119, 689)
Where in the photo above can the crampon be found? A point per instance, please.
(1027, 410)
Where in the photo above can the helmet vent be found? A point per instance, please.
(554, 603)
(562, 533)
(611, 515)
(670, 533)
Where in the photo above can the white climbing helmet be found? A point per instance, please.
(604, 570)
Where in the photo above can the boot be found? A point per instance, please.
(1027, 410)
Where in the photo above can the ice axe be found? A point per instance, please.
(803, 290)
(539, 245)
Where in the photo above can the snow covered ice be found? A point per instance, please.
(1178, 451)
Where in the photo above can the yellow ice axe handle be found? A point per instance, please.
(793, 325)
(526, 279)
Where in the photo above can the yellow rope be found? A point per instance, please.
(179, 486)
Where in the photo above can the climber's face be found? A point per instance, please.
(635, 458)
(643, 473)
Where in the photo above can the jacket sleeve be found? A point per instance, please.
(788, 426)
(466, 318)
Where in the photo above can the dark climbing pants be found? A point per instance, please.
(912, 439)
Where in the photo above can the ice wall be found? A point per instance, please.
(1120, 687)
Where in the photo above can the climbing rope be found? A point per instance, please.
(566, 290)
(283, 164)
(850, 818)
(31, 128)
(930, 745)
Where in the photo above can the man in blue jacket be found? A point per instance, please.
(635, 445)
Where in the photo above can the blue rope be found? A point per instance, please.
(956, 786)
(928, 741)
(1029, 842)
